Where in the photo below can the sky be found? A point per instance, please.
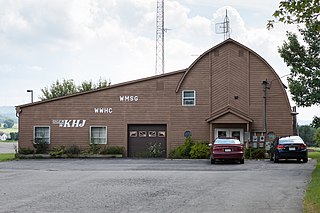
(42, 41)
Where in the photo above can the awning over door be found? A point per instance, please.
(228, 115)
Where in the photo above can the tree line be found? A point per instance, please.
(68, 87)
(310, 135)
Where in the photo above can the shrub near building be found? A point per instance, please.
(191, 149)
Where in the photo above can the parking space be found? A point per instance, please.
(128, 185)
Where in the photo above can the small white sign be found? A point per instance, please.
(104, 110)
(128, 98)
(69, 123)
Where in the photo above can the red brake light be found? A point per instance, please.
(303, 146)
(280, 146)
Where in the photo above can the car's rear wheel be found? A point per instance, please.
(241, 161)
(305, 160)
(275, 158)
(271, 157)
(299, 160)
(213, 161)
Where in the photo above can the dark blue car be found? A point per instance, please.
(290, 147)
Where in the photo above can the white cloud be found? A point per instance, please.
(42, 41)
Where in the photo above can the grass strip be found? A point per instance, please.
(7, 157)
(312, 196)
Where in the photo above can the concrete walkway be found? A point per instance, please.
(7, 147)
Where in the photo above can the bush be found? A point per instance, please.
(25, 151)
(155, 150)
(41, 147)
(182, 151)
(14, 136)
(112, 150)
(175, 155)
(254, 153)
(94, 148)
(200, 150)
(191, 149)
(56, 152)
(72, 150)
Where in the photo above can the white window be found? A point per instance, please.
(42, 134)
(152, 134)
(133, 134)
(188, 98)
(98, 135)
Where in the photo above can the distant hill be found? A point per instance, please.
(8, 112)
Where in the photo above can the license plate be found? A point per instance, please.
(292, 149)
(227, 150)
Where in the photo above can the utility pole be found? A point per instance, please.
(266, 85)
(160, 38)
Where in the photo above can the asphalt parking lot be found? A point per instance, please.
(129, 185)
(8, 147)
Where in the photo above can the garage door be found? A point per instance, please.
(147, 140)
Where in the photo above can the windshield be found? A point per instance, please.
(295, 139)
(226, 141)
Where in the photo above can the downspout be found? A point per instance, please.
(18, 111)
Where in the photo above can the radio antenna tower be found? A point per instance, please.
(160, 38)
(224, 27)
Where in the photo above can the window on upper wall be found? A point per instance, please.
(42, 134)
(188, 98)
(98, 135)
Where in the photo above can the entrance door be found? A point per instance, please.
(238, 133)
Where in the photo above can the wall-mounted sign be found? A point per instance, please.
(104, 110)
(69, 123)
(271, 136)
(129, 98)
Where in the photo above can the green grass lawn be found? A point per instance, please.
(312, 195)
(6, 157)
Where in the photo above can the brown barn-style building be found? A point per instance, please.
(228, 90)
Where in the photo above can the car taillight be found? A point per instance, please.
(303, 146)
(280, 146)
(238, 148)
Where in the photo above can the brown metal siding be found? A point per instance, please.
(220, 80)
(152, 107)
(218, 76)
(279, 117)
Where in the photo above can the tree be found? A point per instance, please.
(14, 136)
(8, 123)
(302, 57)
(68, 87)
(317, 137)
(316, 122)
(297, 12)
(306, 132)
(304, 60)
(89, 85)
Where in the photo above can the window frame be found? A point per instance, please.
(188, 98)
(106, 135)
(34, 133)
